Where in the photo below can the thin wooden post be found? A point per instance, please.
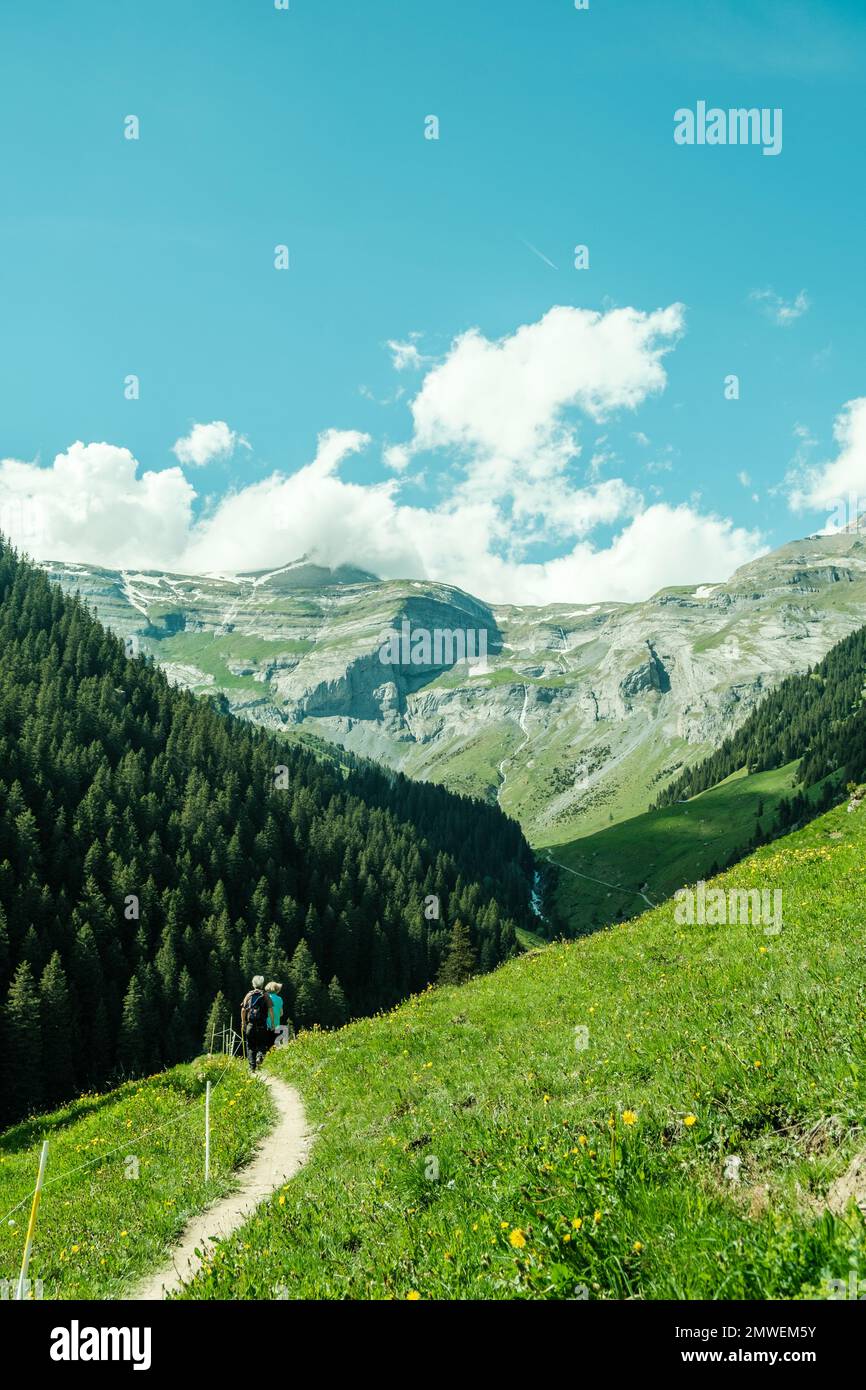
(28, 1244)
(207, 1133)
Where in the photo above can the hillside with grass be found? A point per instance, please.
(125, 1173)
(562, 1128)
(609, 876)
(655, 1111)
(789, 760)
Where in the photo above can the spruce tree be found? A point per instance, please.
(219, 1018)
(306, 987)
(59, 1033)
(459, 963)
(22, 1045)
(337, 1008)
(133, 1046)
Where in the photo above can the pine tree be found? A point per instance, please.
(459, 963)
(306, 986)
(219, 1018)
(59, 1033)
(133, 1046)
(22, 1045)
(337, 1008)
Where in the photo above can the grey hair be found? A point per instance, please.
(258, 981)
(273, 987)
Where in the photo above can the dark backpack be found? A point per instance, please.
(257, 1010)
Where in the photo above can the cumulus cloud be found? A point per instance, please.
(465, 541)
(501, 423)
(834, 482)
(91, 506)
(205, 443)
(783, 312)
(506, 399)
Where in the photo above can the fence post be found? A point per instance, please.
(207, 1133)
(28, 1244)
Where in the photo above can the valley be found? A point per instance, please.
(584, 715)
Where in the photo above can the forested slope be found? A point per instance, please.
(152, 857)
(819, 718)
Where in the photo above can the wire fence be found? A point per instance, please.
(186, 1113)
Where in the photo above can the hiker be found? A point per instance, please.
(281, 1032)
(257, 1016)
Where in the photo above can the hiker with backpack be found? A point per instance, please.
(257, 1021)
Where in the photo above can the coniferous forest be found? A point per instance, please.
(818, 718)
(155, 853)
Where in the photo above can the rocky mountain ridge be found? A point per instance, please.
(580, 711)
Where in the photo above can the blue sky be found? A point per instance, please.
(261, 127)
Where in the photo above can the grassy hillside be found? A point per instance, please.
(99, 1226)
(662, 849)
(470, 1147)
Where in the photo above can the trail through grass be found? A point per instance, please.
(562, 1127)
(125, 1173)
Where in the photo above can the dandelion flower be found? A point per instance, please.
(577, 1222)
(637, 1247)
(690, 1120)
(597, 1217)
(412, 1296)
(629, 1117)
(517, 1238)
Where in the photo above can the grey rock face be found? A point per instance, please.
(580, 713)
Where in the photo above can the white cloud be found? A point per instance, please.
(782, 312)
(90, 506)
(833, 482)
(743, 479)
(502, 419)
(506, 399)
(466, 542)
(204, 443)
(397, 457)
(405, 355)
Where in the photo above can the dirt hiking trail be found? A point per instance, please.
(278, 1157)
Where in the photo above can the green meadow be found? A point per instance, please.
(562, 1128)
(125, 1173)
(661, 850)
